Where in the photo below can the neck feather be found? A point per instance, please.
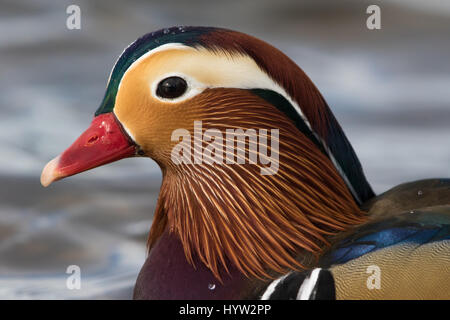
(232, 214)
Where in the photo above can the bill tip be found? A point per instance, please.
(49, 173)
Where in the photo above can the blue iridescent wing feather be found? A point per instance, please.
(417, 228)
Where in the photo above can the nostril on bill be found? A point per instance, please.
(93, 139)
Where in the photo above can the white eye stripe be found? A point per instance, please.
(238, 71)
(164, 47)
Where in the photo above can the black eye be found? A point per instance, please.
(171, 87)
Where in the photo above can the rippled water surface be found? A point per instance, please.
(389, 89)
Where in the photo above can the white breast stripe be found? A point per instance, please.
(307, 287)
(271, 288)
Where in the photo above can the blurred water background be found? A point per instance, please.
(389, 88)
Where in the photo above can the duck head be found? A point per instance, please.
(170, 83)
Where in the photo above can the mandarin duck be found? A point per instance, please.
(294, 218)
